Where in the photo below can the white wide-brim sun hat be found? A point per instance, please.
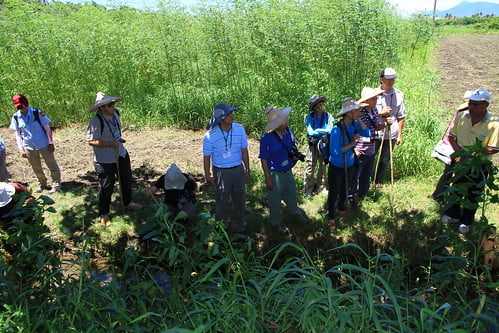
(6, 192)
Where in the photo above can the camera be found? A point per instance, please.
(120, 139)
(294, 153)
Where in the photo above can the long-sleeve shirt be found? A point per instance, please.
(338, 140)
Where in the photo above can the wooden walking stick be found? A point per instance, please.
(392, 193)
(379, 155)
(119, 179)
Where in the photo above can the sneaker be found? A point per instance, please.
(54, 189)
(464, 228)
(448, 219)
(105, 220)
(41, 188)
(332, 223)
(133, 206)
(283, 229)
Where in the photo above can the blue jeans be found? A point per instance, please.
(362, 172)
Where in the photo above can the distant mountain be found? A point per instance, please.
(467, 9)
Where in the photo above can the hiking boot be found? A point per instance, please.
(448, 219)
(332, 223)
(283, 229)
(105, 220)
(133, 206)
(464, 228)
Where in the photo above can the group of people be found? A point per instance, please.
(347, 142)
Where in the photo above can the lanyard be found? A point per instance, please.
(226, 138)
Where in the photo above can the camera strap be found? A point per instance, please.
(286, 132)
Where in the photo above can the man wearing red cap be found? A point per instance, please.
(34, 140)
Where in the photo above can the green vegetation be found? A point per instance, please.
(391, 267)
(467, 25)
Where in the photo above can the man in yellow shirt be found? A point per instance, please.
(476, 123)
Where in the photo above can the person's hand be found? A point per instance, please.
(399, 141)
(386, 111)
(269, 184)
(210, 181)
(356, 137)
(389, 121)
(51, 147)
(24, 155)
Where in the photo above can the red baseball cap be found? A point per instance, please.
(20, 101)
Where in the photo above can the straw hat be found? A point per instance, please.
(314, 100)
(348, 105)
(368, 93)
(276, 117)
(220, 111)
(103, 99)
(6, 192)
(174, 179)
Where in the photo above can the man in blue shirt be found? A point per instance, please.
(278, 155)
(225, 151)
(34, 140)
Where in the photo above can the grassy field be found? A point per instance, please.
(390, 267)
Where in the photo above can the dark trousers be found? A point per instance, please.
(362, 171)
(384, 158)
(443, 181)
(107, 173)
(338, 184)
(473, 195)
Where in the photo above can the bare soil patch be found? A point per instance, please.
(468, 62)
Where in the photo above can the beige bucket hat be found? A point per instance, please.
(276, 117)
(103, 99)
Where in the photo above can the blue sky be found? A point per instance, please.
(403, 6)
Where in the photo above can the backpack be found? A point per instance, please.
(101, 120)
(36, 113)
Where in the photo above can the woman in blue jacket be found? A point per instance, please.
(344, 136)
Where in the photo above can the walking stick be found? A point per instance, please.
(119, 179)
(379, 155)
(152, 196)
(391, 171)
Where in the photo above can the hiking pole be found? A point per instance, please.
(119, 179)
(391, 170)
(151, 195)
(379, 155)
